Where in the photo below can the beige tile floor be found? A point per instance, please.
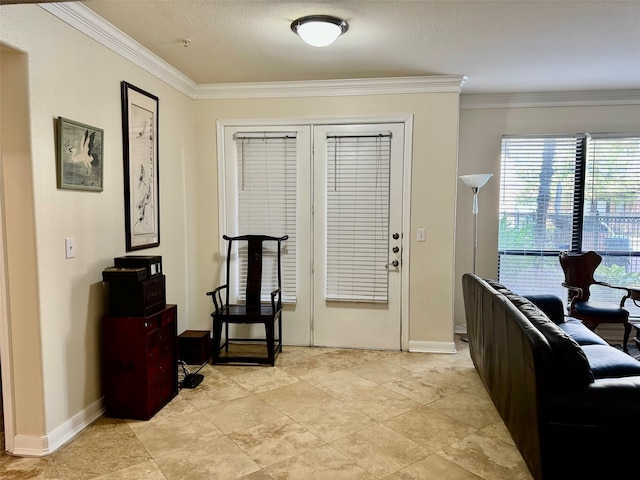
(319, 414)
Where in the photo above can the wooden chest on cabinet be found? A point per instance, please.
(139, 363)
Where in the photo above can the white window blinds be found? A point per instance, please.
(358, 173)
(266, 189)
(574, 192)
(537, 186)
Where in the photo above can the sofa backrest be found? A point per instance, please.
(514, 361)
(573, 370)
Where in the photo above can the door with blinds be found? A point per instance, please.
(337, 192)
(266, 180)
(358, 171)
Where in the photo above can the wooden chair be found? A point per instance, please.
(578, 270)
(253, 310)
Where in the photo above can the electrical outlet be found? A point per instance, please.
(70, 247)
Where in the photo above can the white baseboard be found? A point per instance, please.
(432, 347)
(38, 446)
(460, 329)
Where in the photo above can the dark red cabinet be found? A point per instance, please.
(139, 363)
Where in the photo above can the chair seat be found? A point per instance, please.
(606, 313)
(244, 314)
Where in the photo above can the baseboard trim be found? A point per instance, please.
(460, 329)
(39, 446)
(432, 347)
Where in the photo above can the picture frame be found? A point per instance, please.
(80, 156)
(141, 174)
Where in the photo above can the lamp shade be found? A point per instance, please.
(319, 30)
(477, 180)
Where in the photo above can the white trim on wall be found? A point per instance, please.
(550, 99)
(432, 347)
(333, 88)
(94, 26)
(36, 446)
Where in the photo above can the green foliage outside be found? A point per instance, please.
(617, 275)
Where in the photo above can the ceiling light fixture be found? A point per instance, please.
(319, 30)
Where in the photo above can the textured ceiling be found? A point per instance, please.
(503, 46)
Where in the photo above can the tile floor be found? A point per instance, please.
(319, 414)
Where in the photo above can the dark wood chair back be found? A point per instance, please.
(579, 269)
(255, 254)
(254, 310)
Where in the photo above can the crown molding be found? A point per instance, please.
(550, 99)
(333, 88)
(94, 26)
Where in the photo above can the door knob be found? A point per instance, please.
(394, 264)
(396, 249)
(396, 236)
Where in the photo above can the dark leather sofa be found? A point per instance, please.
(570, 401)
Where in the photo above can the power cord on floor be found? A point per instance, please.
(190, 380)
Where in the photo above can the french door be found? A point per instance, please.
(357, 254)
(336, 190)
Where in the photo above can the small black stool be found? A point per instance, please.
(194, 347)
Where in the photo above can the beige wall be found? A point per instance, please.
(74, 77)
(19, 243)
(481, 132)
(432, 203)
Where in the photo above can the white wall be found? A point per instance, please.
(481, 132)
(70, 75)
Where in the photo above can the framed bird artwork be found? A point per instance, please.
(80, 156)
(140, 142)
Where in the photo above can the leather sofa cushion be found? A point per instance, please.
(609, 362)
(580, 333)
(551, 305)
(573, 366)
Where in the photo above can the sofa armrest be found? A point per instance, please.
(551, 305)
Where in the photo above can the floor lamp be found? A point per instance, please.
(475, 182)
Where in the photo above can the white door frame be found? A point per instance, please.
(407, 119)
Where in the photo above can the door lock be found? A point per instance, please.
(396, 249)
(394, 264)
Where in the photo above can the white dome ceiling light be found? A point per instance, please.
(319, 30)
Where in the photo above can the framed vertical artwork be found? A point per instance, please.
(140, 144)
(80, 156)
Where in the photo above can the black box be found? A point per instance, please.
(130, 297)
(194, 347)
(152, 263)
(121, 274)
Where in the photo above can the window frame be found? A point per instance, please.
(583, 151)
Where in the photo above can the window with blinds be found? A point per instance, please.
(266, 189)
(574, 192)
(358, 174)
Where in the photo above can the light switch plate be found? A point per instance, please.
(70, 247)
(421, 235)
